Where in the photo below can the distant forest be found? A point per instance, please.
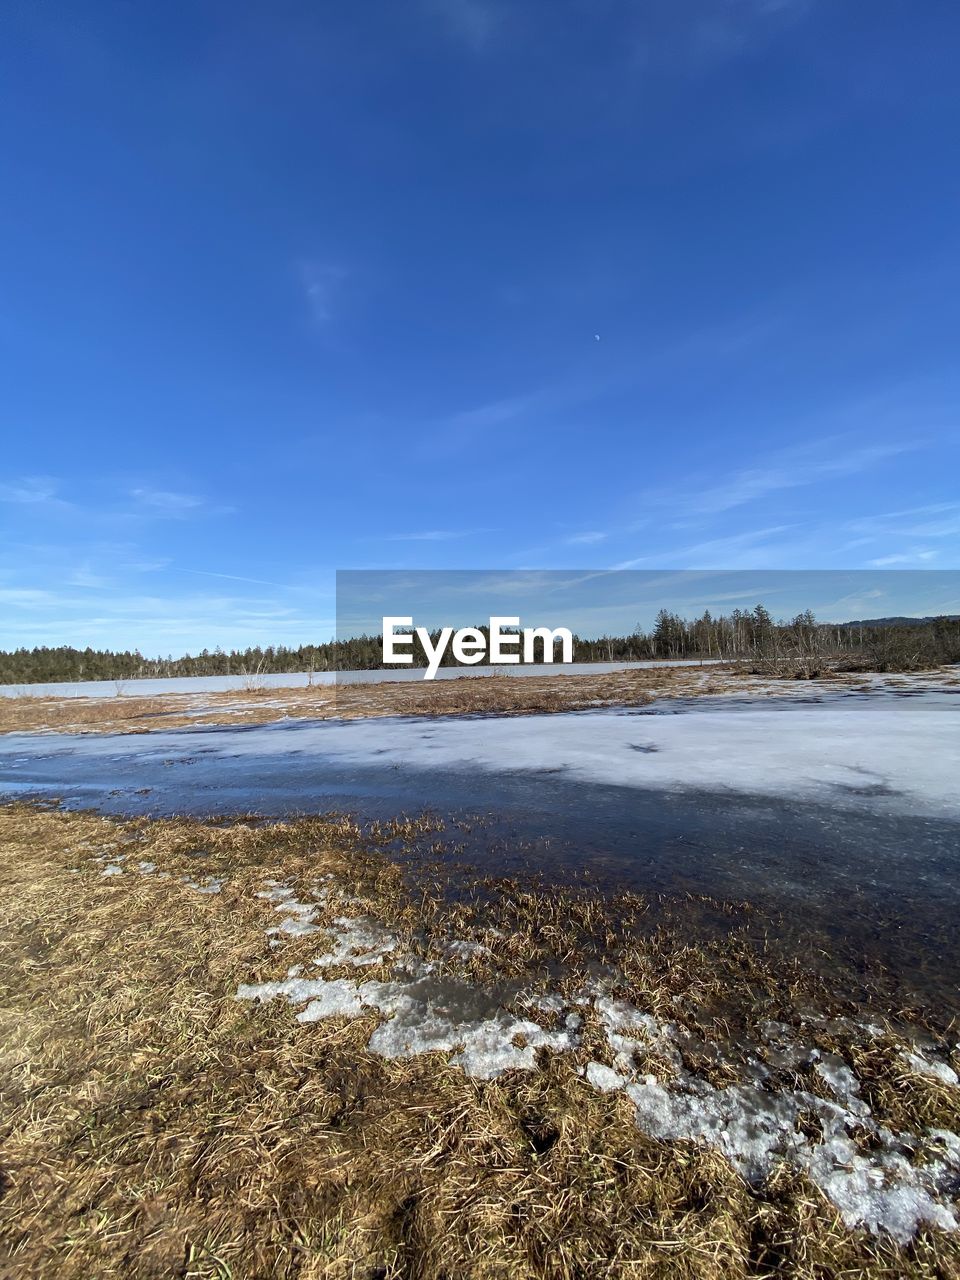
(800, 646)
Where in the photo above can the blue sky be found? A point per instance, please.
(599, 602)
(299, 287)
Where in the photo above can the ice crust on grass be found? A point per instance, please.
(298, 917)
(426, 1014)
(358, 941)
(110, 861)
(211, 885)
(922, 1066)
(604, 1078)
(894, 1185)
(757, 1125)
(463, 949)
(754, 1128)
(842, 1082)
(423, 1011)
(328, 997)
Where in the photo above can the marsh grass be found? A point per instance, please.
(154, 1126)
(490, 695)
(546, 694)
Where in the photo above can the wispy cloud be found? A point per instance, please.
(111, 504)
(585, 382)
(152, 623)
(497, 412)
(167, 501)
(740, 550)
(918, 557)
(433, 535)
(85, 575)
(471, 22)
(789, 469)
(170, 504)
(936, 520)
(703, 33)
(233, 577)
(322, 283)
(909, 537)
(19, 597)
(588, 539)
(32, 491)
(698, 32)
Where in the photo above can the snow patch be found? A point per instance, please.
(357, 941)
(920, 1065)
(605, 1079)
(463, 950)
(894, 1185)
(298, 917)
(211, 885)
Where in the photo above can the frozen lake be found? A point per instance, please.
(302, 679)
(842, 810)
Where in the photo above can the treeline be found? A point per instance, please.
(804, 645)
(801, 645)
(47, 665)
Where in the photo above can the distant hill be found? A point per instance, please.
(900, 622)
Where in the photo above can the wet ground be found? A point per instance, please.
(840, 816)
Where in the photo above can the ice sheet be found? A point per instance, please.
(881, 752)
(886, 752)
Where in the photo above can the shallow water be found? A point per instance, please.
(840, 812)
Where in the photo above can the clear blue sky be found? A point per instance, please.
(295, 287)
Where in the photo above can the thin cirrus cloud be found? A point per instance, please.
(433, 535)
(918, 557)
(32, 491)
(20, 597)
(725, 552)
(722, 31)
(791, 469)
(322, 285)
(706, 507)
(472, 23)
(85, 575)
(590, 538)
(913, 537)
(170, 504)
(42, 495)
(497, 412)
(935, 520)
(701, 32)
(234, 577)
(153, 624)
(166, 500)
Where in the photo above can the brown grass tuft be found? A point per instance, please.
(152, 1126)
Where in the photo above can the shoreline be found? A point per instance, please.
(476, 695)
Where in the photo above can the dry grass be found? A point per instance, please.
(483, 695)
(492, 695)
(152, 1126)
